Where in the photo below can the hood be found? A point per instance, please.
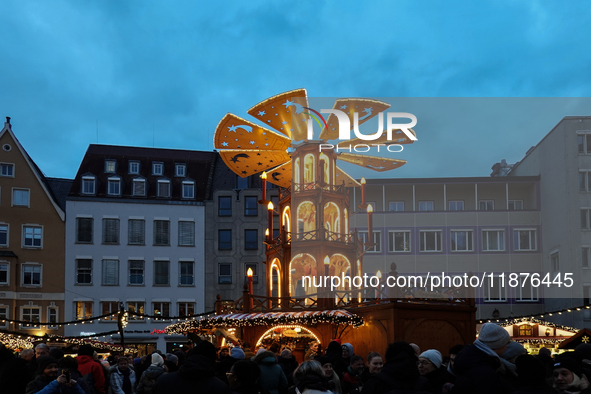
(472, 357)
(84, 359)
(197, 368)
(269, 360)
(154, 371)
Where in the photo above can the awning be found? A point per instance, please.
(338, 316)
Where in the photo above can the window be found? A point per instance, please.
(110, 166)
(161, 309)
(224, 239)
(180, 170)
(157, 168)
(225, 273)
(20, 197)
(524, 239)
(377, 236)
(251, 207)
(187, 269)
(52, 317)
(224, 206)
(430, 240)
(32, 237)
(31, 275)
(584, 143)
(164, 188)
(456, 205)
(3, 234)
(83, 272)
(3, 316)
(251, 239)
(135, 307)
(255, 277)
(110, 231)
(396, 206)
(554, 262)
(525, 330)
(161, 273)
(515, 205)
(109, 307)
(139, 187)
(136, 272)
(7, 170)
(114, 186)
(461, 240)
(493, 291)
(188, 189)
(110, 272)
(32, 315)
(425, 205)
(399, 241)
(486, 205)
(134, 167)
(4, 274)
(161, 232)
(83, 309)
(585, 222)
(186, 309)
(84, 230)
(186, 233)
(585, 256)
(88, 185)
(493, 240)
(136, 232)
(525, 292)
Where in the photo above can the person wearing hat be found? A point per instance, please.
(48, 381)
(478, 366)
(568, 376)
(430, 366)
(330, 374)
(150, 375)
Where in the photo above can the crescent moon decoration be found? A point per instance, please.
(248, 148)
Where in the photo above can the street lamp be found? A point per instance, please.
(270, 216)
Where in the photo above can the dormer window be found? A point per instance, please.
(157, 168)
(88, 185)
(139, 187)
(114, 186)
(180, 170)
(163, 188)
(188, 189)
(134, 167)
(110, 166)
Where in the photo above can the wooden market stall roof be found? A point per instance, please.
(583, 336)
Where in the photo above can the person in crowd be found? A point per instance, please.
(14, 374)
(568, 375)
(243, 377)
(399, 374)
(531, 376)
(477, 364)
(312, 351)
(374, 366)
(330, 374)
(508, 358)
(122, 377)
(150, 375)
(223, 353)
(91, 371)
(71, 365)
(334, 352)
(272, 377)
(225, 364)
(275, 348)
(453, 353)
(416, 348)
(309, 378)
(56, 353)
(288, 365)
(195, 375)
(41, 350)
(352, 378)
(48, 381)
(27, 354)
(348, 352)
(431, 367)
(248, 353)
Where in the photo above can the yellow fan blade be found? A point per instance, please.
(379, 164)
(280, 176)
(366, 109)
(250, 162)
(233, 132)
(342, 176)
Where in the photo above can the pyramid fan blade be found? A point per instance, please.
(280, 176)
(233, 132)
(250, 162)
(372, 162)
(284, 112)
(398, 137)
(342, 176)
(366, 109)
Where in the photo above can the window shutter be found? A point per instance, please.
(161, 232)
(110, 272)
(136, 231)
(186, 233)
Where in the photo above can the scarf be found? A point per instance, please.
(126, 386)
(481, 346)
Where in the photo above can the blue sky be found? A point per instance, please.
(163, 74)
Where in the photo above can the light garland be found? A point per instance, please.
(81, 321)
(160, 317)
(505, 320)
(286, 327)
(536, 321)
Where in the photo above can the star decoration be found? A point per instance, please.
(233, 128)
(284, 122)
(367, 110)
(224, 144)
(585, 339)
(344, 106)
(261, 113)
(251, 142)
(287, 103)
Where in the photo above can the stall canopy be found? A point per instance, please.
(583, 336)
(339, 316)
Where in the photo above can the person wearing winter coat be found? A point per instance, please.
(150, 375)
(71, 365)
(430, 365)
(309, 378)
(14, 374)
(531, 376)
(334, 352)
(272, 377)
(122, 378)
(243, 377)
(49, 382)
(91, 371)
(288, 364)
(568, 375)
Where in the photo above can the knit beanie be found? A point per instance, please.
(350, 347)
(323, 360)
(569, 363)
(494, 336)
(237, 353)
(43, 362)
(434, 356)
(157, 359)
(261, 350)
(172, 358)
(514, 349)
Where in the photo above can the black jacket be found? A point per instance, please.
(399, 375)
(478, 372)
(14, 375)
(196, 375)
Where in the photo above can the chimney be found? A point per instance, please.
(8, 120)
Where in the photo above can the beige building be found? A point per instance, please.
(32, 247)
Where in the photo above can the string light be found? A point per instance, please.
(559, 312)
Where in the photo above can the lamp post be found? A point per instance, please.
(249, 274)
(270, 226)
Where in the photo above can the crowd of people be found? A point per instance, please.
(492, 364)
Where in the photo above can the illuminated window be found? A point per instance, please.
(83, 309)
